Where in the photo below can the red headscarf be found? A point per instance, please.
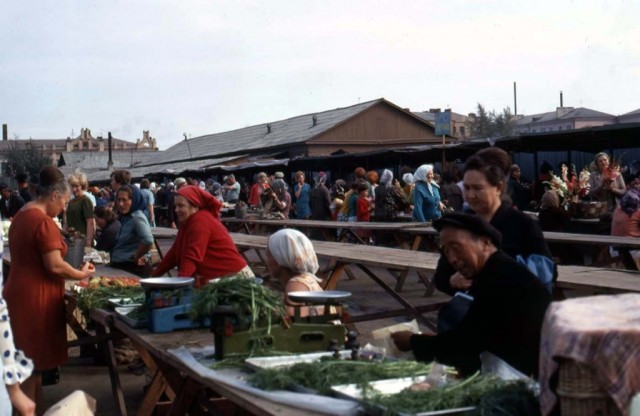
(201, 198)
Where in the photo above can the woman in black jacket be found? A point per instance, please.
(485, 176)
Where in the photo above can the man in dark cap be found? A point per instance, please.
(506, 314)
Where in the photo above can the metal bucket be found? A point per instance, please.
(75, 251)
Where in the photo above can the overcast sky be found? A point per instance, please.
(204, 67)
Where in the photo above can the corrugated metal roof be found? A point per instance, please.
(263, 136)
(632, 113)
(99, 160)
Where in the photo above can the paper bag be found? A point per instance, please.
(77, 403)
(382, 339)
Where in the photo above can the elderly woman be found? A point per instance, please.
(79, 213)
(134, 239)
(484, 190)
(278, 202)
(426, 195)
(606, 182)
(203, 247)
(390, 199)
(34, 290)
(292, 260)
(257, 189)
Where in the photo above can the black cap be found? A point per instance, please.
(472, 223)
(21, 177)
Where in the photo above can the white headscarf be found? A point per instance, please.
(408, 178)
(421, 175)
(386, 178)
(293, 250)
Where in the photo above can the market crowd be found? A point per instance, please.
(479, 210)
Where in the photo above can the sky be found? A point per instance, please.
(201, 67)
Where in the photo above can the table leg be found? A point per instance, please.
(408, 307)
(103, 331)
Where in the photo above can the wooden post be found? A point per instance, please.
(443, 155)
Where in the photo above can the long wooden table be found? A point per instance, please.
(331, 230)
(189, 391)
(396, 262)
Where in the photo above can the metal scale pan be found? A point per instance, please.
(328, 296)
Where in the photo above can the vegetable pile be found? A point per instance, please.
(326, 372)
(490, 395)
(98, 297)
(252, 302)
(97, 281)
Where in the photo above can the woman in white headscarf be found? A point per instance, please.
(390, 199)
(426, 195)
(292, 260)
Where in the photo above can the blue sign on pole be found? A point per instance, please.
(443, 123)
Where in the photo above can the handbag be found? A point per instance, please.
(453, 312)
(541, 266)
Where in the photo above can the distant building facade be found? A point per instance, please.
(85, 152)
(460, 124)
(564, 118)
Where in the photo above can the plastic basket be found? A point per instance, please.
(580, 393)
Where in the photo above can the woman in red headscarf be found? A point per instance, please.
(203, 248)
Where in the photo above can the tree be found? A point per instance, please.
(22, 157)
(492, 124)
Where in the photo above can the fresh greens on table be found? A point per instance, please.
(99, 297)
(251, 301)
(326, 372)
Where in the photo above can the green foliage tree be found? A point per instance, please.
(23, 157)
(492, 124)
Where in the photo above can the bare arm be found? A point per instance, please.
(54, 263)
(91, 231)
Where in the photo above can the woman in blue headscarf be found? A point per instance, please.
(134, 239)
(426, 195)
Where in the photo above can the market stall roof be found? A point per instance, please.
(589, 139)
(167, 168)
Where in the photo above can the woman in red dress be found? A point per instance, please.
(34, 290)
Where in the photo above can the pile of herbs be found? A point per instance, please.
(490, 395)
(98, 298)
(251, 301)
(328, 371)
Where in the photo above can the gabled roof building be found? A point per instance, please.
(564, 118)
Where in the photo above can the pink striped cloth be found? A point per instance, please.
(602, 332)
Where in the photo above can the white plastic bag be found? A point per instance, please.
(382, 339)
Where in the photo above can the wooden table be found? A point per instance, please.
(188, 391)
(396, 262)
(331, 230)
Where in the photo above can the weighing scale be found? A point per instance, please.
(297, 334)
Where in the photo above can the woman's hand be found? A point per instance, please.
(88, 269)
(20, 401)
(459, 282)
(402, 339)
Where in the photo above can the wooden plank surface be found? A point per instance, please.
(598, 280)
(293, 223)
(389, 258)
